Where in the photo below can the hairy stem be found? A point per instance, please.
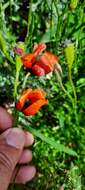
(75, 95)
(73, 87)
(16, 84)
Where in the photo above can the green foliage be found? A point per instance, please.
(61, 123)
(50, 141)
(3, 45)
(74, 178)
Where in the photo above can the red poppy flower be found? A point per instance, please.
(40, 64)
(31, 101)
(30, 58)
(46, 63)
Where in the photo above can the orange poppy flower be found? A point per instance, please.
(31, 101)
(40, 64)
(30, 58)
(46, 63)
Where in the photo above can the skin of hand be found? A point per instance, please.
(13, 153)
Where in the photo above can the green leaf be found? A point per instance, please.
(49, 35)
(74, 177)
(3, 45)
(81, 82)
(48, 140)
(4, 48)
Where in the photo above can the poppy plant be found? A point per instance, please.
(40, 62)
(31, 101)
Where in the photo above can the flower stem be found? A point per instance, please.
(15, 112)
(63, 88)
(68, 95)
(29, 22)
(25, 80)
(73, 87)
(16, 84)
(16, 117)
(75, 95)
(10, 12)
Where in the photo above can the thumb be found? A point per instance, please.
(11, 145)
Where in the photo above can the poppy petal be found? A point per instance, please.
(47, 62)
(36, 94)
(38, 71)
(28, 60)
(44, 63)
(39, 48)
(19, 104)
(51, 57)
(35, 107)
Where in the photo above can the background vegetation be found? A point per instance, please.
(56, 23)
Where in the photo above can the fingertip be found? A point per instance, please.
(5, 119)
(25, 157)
(29, 139)
(25, 174)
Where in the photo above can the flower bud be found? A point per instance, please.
(69, 54)
(73, 4)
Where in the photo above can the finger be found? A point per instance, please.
(11, 146)
(25, 157)
(25, 174)
(7, 123)
(5, 119)
(29, 139)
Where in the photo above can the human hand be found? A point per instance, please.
(13, 143)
